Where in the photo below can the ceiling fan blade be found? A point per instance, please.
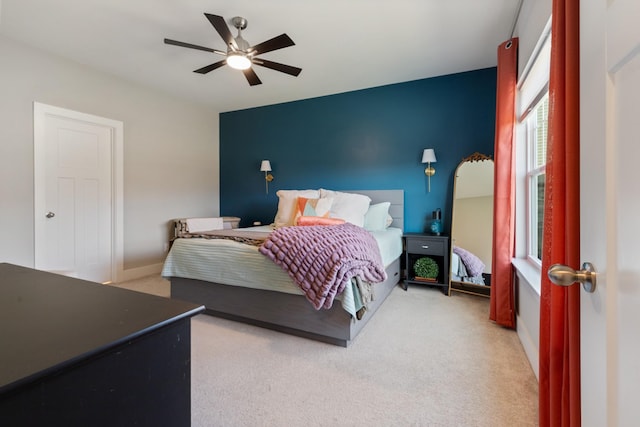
(294, 71)
(275, 43)
(251, 76)
(193, 46)
(221, 27)
(211, 67)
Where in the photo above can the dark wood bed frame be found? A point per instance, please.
(290, 313)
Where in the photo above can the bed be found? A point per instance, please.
(249, 287)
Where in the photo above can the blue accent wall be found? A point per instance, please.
(366, 139)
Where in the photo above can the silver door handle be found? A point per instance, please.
(563, 275)
(50, 215)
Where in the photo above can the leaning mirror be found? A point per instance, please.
(472, 226)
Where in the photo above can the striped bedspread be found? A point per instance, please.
(237, 264)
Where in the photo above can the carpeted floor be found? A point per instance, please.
(425, 359)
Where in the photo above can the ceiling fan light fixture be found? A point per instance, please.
(240, 55)
(238, 61)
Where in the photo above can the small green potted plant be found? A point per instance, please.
(426, 269)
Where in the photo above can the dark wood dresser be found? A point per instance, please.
(78, 353)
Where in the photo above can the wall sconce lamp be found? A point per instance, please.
(265, 167)
(428, 157)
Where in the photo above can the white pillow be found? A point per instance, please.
(287, 205)
(348, 206)
(377, 216)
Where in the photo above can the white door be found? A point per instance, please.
(610, 210)
(74, 192)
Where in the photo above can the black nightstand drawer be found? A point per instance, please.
(425, 246)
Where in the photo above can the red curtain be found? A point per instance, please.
(502, 301)
(559, 374)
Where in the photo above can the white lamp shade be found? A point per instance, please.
(265, 166)
(428, 156)
(238, 61)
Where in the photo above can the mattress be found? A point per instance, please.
(236, 264)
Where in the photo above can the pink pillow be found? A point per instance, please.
(287, 205)
(312, 207)
(318, 220)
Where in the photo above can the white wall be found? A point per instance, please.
(170, 152)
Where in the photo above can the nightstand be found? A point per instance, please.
(419, 245)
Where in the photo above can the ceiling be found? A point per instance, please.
(341, 45)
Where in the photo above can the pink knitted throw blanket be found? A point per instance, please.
(323, 259)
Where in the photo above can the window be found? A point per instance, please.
(532, 109)
(537, 127)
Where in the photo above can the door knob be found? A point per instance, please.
(50, 215)
(563, 275)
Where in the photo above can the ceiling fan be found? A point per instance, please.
(239, 54)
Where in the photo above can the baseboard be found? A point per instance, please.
(528, 344)
(139, 272)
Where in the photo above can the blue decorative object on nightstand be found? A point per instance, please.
(436, 222)
(436, 227)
